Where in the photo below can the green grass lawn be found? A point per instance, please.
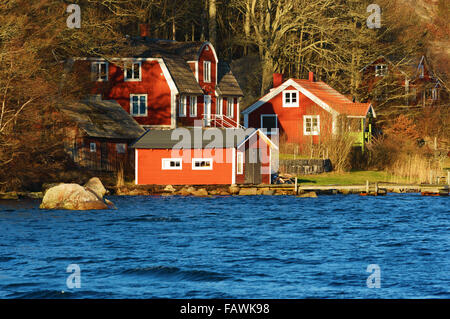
(350, 178)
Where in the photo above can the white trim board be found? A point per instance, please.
(282, 88)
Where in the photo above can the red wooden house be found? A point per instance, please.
(411, 85)
(167, 84)
(203, 156)
(304, 110)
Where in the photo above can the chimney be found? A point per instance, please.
(277, 79)
(144, 30)
(311, 76)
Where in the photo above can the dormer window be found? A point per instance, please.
(133, 71)
(381, 70)
(207, 71)
(290, 98)
(99, 71)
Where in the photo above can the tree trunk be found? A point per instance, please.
(212, 22)
(268, 68)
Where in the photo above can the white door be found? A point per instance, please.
(207, 110)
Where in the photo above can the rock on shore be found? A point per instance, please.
(77, 197)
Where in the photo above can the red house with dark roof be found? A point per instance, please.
(167, 84)
(305, 111)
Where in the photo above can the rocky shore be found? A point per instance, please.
(222, 190)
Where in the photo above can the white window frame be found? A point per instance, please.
(240, 163)
(311, 117)
(96, 72)
(132, 79)
(121, 146)
(219, 110)
(434, 94)
(139, 107)
(230, 107)
(381, 69)
(182, 106)
(195, 160)
(165, 164)
(290, 103)
(193, 106)
(207, 71)
(93, 147)
(276, 123)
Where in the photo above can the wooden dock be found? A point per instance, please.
(376, 189)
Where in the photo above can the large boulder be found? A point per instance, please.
(200, 193)
(96, 186)
(74, 197)
(248, 191)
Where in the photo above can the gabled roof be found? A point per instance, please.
(194, 138)
(102, 119)
(172, 53)
(227, 83)
(382, 57)
(322, 94)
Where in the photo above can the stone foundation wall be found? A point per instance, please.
(305, 166)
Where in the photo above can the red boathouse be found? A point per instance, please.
(199, 156)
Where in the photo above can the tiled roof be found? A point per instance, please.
(227, 83)
(173, 56)
(102, 119)
(334, 99)
(216, 138)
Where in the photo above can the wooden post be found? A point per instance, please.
(448, 178)
(367, 187)
(376, 188)
(296, 185)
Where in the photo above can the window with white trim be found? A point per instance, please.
(311, 124)
(219, 106)
(202, 164)
(230, 107)
(434, 94)
(138, 104)
(240, 163)
(381, 70)
(193, 106)
(290, 98)
(133, 71)
(172, 164)
(99, 71)
(206, 71)
(182, 107)
(93, 147)
(269, 123)
(121, 148)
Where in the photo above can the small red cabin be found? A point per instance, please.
(203, 156)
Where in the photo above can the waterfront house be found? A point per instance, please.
(98, 134)
(414, 84)
(203, 156)
(306, 111)
(166, 84)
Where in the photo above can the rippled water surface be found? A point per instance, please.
(230, 247)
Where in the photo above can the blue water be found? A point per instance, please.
(230, 247)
